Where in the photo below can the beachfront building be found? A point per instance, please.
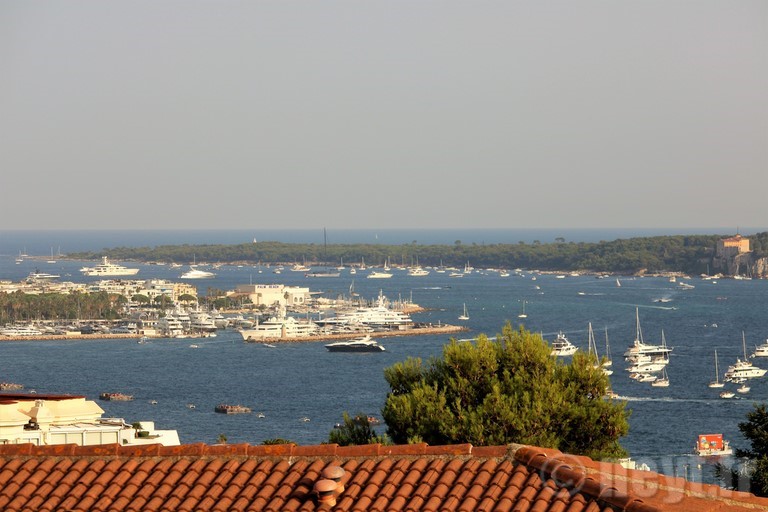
(271, 294)
(69, 419)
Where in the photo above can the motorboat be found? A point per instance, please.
(36, 277)
(196, 273)
(418, 272)
(561, 346)
(232, 409)
(742, 368)
(107, 268)
(380, 316)
(761, 350)
(639, 348)
(379, 275)
(280, 326)
(20, 330)
(727, 394)
(364, 344)
(712, 444)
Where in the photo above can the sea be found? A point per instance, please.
(302, 390)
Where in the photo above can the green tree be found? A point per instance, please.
(505, 390)
(752, 474)
(354, 431)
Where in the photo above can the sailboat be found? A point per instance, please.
(663, 381)
(592, 348)
(716, 383)
(523, 315)
(464, 316)
(618, 283)
(608, 361)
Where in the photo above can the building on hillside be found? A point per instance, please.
(40, 420)
(732, 246)
(271, 294)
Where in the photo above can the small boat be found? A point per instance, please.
(116, 397)
(153, 402)
(522, 313)
(712, 444)
(232, 409)
(464, 316)
(260, 415)
(727, 394)
(190, 406)
(364, 344)
(743, 389)
(305, 419)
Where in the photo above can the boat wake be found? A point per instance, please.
(668, 399)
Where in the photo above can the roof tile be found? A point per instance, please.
(240, 478)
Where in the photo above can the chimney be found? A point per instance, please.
(335, 474)
(326, 492)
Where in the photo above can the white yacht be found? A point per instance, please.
(761, 350)
(280, 326)
(742, 368)
(200, 321)
(37, 277)
(418, 272)
(364, 344)
(379, 316)
(639, 348)
(20, 330)
(105, 268)
(561, 346)
(379, 275)
(170, 326)
(196, 273)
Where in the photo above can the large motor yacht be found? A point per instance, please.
(105, 268)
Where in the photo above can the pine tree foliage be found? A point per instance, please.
(493, 392)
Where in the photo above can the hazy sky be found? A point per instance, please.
(383, 114)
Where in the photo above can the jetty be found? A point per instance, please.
(419, 330)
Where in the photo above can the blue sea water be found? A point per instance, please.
(296, 380)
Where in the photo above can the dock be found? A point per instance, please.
(421, 330)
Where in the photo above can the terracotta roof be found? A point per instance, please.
(227, 478)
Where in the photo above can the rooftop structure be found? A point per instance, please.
(374, 477)
(67, 419)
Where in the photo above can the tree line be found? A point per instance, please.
(690, 254)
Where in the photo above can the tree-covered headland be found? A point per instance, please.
(691, 254)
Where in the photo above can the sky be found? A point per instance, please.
(281, 114)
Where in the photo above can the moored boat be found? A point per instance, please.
(712, 444)
(364, 344)
(561, 346)
(232, 409)
(116, 397)
(106, 268)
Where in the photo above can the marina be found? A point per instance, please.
(221, 370)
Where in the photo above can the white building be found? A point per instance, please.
(271, 294)
(68, 419)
